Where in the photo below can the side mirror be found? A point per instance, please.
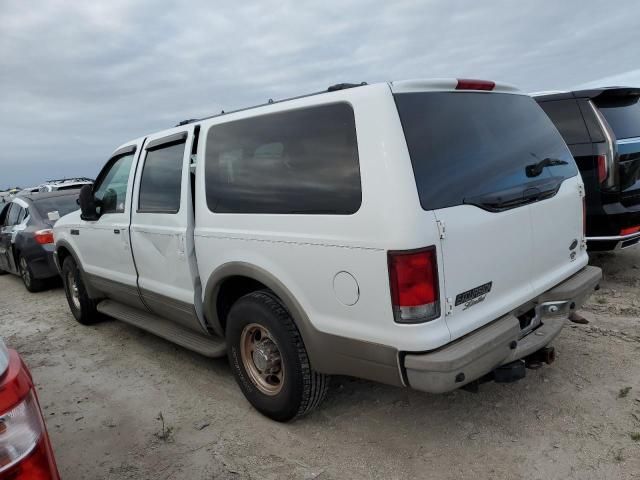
(88, 205)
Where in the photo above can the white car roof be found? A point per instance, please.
(446, 85)
(547, 92)
(402, 86)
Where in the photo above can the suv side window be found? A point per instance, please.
(302, 161)
(161, 182)
(568, 120)
(111, 189)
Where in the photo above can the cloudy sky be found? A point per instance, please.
(79, 78)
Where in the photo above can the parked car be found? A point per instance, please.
(64, 184)
(424, 234)
(26, 235)
(602, 128)
(25, 449)
(29, 191)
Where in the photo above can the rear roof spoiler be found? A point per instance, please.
(592, 93)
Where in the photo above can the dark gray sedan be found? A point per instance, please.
(26, 235)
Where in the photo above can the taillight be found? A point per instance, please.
(413, 278)
(603, 168)
(629, 231)
(472, 84)
(25, 451)
(20, 432)
(44, 237)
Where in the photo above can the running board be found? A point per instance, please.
(200, 343)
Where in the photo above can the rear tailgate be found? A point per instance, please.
(504, 187)
(621, 109)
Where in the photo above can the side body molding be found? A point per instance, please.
(329, 354)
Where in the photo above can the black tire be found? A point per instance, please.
(2, 272)
(31, 284)
(82, 307)
(302, 389)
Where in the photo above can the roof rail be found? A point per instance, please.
(332, 88)
(71, 179)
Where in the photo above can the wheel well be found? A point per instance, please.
(231, 289)
(63, 253)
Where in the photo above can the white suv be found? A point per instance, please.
(425, 234)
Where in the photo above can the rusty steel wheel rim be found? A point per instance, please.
(262, 359)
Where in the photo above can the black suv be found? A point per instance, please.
(602, 128)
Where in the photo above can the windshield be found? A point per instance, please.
(63, 204)
(623, 114)
(464, 145)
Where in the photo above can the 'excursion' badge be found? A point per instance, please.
(474, 296)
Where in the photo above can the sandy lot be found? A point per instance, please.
(103, 389)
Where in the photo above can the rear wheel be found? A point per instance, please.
(82, 307)
(30, 283)
(269, 360)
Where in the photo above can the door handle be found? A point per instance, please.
(116, 231)
(75, 232)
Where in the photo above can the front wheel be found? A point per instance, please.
(32, 284)
(269, 360)
(82, 307)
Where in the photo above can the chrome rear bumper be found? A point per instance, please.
(623, 241)
(501, 342)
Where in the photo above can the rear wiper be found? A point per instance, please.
(536, 169)
(513, 197)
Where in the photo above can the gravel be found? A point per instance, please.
(122, 404)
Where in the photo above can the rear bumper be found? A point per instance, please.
(500, 342)
(605, 222)
(56, 262)
(42, 264)
(614, 242)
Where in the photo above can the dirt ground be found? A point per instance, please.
(105, 390)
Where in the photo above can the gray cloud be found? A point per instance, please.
(79, 78)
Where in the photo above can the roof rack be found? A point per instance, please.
(332, 88)
(71, 179)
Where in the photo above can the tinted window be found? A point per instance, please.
(63, 205)
(111, 191)
(3, 213)
(24, 213)
(623, 115)
(14, 214)
(161, 181)
(567, 118)
(463, 145)
(301, 161)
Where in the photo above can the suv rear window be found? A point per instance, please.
(467, 144)
(568, 120)
(623, 114)
(300, 161)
